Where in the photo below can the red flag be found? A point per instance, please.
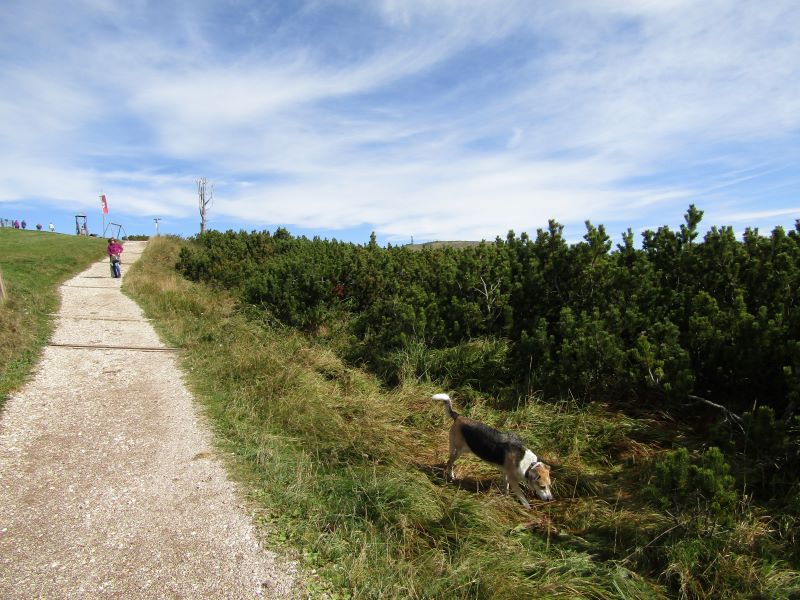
(105, 205)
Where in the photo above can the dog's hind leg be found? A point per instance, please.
(455, 452)
(458, 446)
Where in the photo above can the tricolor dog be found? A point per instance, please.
(505, 450)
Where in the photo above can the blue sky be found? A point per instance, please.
(453, 119)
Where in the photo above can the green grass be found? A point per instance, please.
(350, 474)
(33, 264)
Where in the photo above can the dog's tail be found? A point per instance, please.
(448, 406)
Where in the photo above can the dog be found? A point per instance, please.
(505, 450)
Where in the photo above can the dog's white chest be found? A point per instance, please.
(527, 460)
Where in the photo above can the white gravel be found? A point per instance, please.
(109, 484)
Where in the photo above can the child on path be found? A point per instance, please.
(114, 250)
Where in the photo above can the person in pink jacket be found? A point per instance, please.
(114, 250)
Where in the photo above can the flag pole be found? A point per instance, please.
(104, 213)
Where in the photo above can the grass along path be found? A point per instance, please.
(33, 264)
(110, 486)
(350, 474)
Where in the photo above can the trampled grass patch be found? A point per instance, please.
(33, 264)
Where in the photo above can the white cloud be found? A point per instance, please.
(443, 119)
(792, 212)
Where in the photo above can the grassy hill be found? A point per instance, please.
(349, 473)
(443, 244)
(33, 264)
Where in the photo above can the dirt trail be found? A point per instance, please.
(108, 482)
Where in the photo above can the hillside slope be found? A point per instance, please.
(351, 473)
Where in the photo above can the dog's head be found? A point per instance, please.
(538, 478)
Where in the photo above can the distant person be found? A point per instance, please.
(16, 223)
(114, 250)
(51, 227)
(38, 227)
(24, 224)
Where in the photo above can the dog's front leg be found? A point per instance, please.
(514, 484)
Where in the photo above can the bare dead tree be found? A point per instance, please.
(489, 292)
(730, 416)
(204, 196)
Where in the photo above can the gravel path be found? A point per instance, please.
(109, 485)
